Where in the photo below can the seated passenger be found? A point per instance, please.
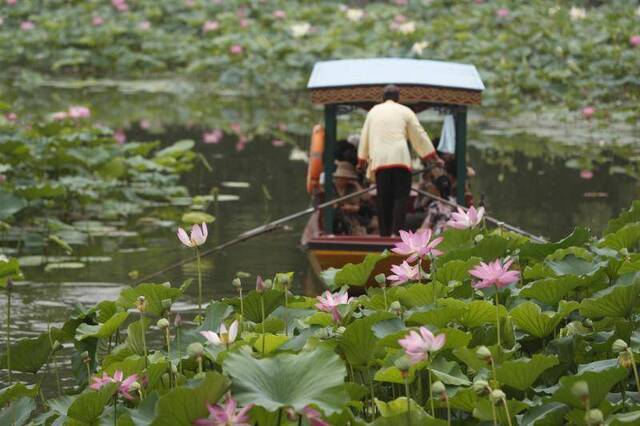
(437, 212)
(354, 216)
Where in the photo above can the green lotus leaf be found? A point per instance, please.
(351, 274)
(551, 290)
(393, 375)
(29, 354)
(136, 335)
(9, 270)
(464, 399)
(618, 301)
(448, 310)
(522, 373)
(599, 376)
(415, 295)
(537, 251)
(480, 312)
(41, 191)
(287, 380)
(177, 149)
(483, 410)
(63, 265)
(144, 414)
(573, 265)
(185, 404)
(547, 414)
(104, 330)
(17, 390)
(457, 238)
(625, 237)
(89, 405)
(197, 217)
(395, 413)
(529, 317)
(630, 216)
(622, 419)
(154, 294)
(455, 270)
(456, 338)
(10, 204)
(449, 372)
(252, 304)
(490, 248)
(358, 342)
(271, 342)
(18, 412)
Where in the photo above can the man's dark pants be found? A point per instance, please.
(394, 185)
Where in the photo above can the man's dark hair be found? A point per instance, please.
(391, 91)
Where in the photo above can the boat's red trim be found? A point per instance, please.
(352, 243)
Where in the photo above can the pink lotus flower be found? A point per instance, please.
(224, 336)
(277, 142)
(96, 21)
(3, 179)
(124, 386)
(416, 245)
(197, 238)
(226, 415)
(587, 112)
(635, 40)
(282, 127)
(403, 273)
(11, 116)
(241, 145)
(120, 5)
(145, 124)
(236, 49)
(328, 302)
(503, 12)
(144, 25)
(261, 287)
(418, 346)
(468, 219)
(11, 2)
(189, 3)
(586, 174)
(244, 23)
(236, 127)
(214, 136)
(279, 14)
(494, 274)
(120, 136)
(60, 115)
(27, 25)
(76, 112)
(209, 26)
(401, 2)
(314, 417)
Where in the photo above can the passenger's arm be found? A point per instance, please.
(419, 139)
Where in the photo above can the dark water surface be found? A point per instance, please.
(537, 189)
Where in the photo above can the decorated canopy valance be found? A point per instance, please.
(354, 81)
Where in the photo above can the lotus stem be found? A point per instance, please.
(199, 282)
(144, 341)
(9, 285)
(199, 359)
(433, 409)
(406, 388)
(262, 311)
(384, 295)
(446, 401)
(506, 410)
(635, 369)
(167, 336)
(115, 409)
(497, 315)
(432, 265)
(286, 330)
(419, 271)
(493, 413)
(178, 349)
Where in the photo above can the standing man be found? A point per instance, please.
(383, 145)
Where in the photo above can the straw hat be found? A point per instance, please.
(345, 170)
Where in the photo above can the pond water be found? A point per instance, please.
(524, 180)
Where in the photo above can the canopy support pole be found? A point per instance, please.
(460, 118)
(331, 134)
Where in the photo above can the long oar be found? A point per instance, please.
(259, 231)
(493, 220)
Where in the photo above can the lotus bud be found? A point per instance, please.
(174, 369)
(177, 321)
(594, 417)
(483, 353)
(381, 280)
(580, 390)
(166, 304)
(260, 285)
(396, 308)
(478, 238)
(9, 286)
(141, 303)
(237, 283)
(163, 323)
(268, 284)
(480, 386)
(195, 349)
(619, 346)
(438, 388)
(402, 364)
(285, 280)
(166, 284)
(135, 386)
(625, 359)
(241, 274)
(496, 396)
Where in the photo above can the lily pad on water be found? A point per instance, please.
(63, 265)
(197, 218)
(10, 204)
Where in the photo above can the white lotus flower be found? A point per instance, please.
(355, 15)
(407, 28)
(301, 29)
(577, 13)
(419, 46)
(4, 258)
(224, 336)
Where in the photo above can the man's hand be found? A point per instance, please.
(439, 161)
(362, 165)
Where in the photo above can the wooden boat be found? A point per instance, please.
(341, 86)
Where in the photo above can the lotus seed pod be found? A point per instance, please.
(268, 284)
(580, 390)
(624, 359)
(195, 349)
(395, 307)
(438, 388)
(478, 238)
(594, 417)
(141, 303)
(402, 364)
(285, 280)
(496, 396)
(381, 279)
(135, 386)
(480, 386)
(166, 284)
(163, 323)
(166, 303)
(237, 283)
(483, 353)
(619, 345)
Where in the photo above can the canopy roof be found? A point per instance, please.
(351, 81)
